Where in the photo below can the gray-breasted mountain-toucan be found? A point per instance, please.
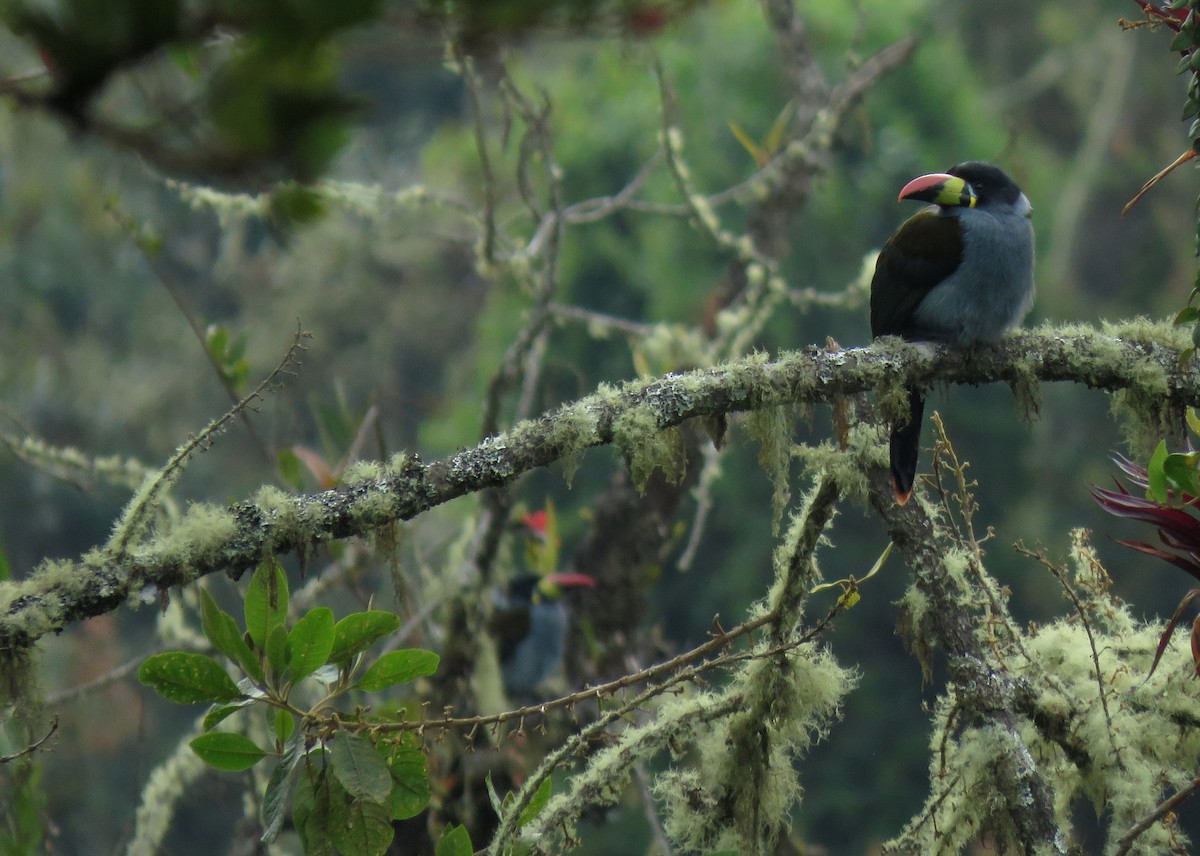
(530, 626)
(958, 272)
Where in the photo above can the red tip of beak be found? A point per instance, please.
(922, 182)
(571, 579)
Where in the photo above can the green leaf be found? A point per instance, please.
(357, 631)
(222, 712)
(310, 642)
(266, 602)
(358, 768)
(277, 796)
(236, 373)
(217, 338)
(454, 842)
(1180, 472)
(310, 810)
(227, 751)
(277, 649)
(291, 470)
(188, 678)
(536, 804)
(410, 782)
(398, 667)
(360, 827)
(285, 724)
(1183, 41)
(1187, 315)
(1155, 477)
(221, 630)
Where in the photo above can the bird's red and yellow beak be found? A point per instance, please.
(552, 585)
(940, 189)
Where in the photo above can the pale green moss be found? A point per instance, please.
(1144, 420)
(575, 429)
(165, 787)
(398, 464)
(229, 207)
(1148, 331)
(772, 428)
(648, 448)
(866, 449)
(280, 513)
(1141, 408)
(363, 471)
(271, 499)
(738, 797)
(375, 507)
(200, 537)
(1103, 732)
(670, 347)
(911, 625)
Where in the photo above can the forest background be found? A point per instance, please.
(109, 262)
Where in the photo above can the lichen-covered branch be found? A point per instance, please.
(947, 609)
(1135, 359)
(1033, 720)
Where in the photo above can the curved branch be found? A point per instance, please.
(211, 539)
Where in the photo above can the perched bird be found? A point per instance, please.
(958, 272)
(530, 625)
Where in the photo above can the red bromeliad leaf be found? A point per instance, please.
(1196, 644)
(1138, 476)
(1166, 636)
(1173, 521)
(1181, 562)
(1178, 529)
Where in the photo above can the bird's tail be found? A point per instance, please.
(905, 447)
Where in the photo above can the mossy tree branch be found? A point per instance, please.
(987, 694)
(210, 539)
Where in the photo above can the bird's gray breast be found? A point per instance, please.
(992, 289)
(540, 654)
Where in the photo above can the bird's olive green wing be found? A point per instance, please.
(925, 250)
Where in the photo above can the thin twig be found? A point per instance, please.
(28, 750)
(133, 517)
(194, 324)
(1059, 575)
(1125, 844)
(490, 193)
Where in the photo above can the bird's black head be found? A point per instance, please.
(523, 588)
(531, 588)
(990, 184)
